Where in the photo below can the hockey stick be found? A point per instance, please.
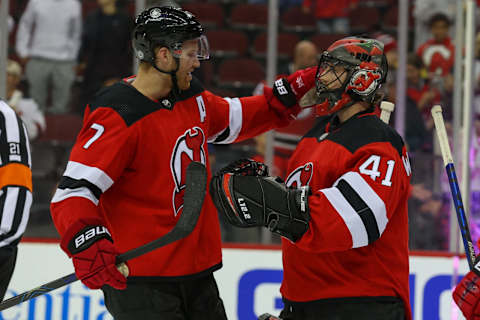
(454, 187)
(387, 109)
(196, 182)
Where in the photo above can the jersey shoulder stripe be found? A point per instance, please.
(132, 106)
(358, 132)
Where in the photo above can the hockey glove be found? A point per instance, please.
(467, 293)
(251, 201)
(93, 255)
(287, 92)
(246, 167)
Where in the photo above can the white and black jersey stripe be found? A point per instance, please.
(230, 134)
(13, 137)
(15, 160)
(362, 210)
(80, 180)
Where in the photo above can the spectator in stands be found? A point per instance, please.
(418, 88)
(26, 108)
(416, 135)
(424, 10)
(48, 39)
(105, 54)
(437, 53)
(305, 55)
(286, 139)
(332, 16)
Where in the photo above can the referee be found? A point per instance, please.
(15, 189)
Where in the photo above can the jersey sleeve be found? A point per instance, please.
(104, 148)
(355, 211)
(15, 177)
(236, 119)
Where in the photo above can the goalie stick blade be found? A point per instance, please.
(196, 185)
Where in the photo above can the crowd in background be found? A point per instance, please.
(63, 51)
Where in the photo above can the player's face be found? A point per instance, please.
(188, 62)
(333, 76)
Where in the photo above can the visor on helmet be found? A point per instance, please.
(202, 53)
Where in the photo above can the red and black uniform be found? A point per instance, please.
(127, 172)
(354, 256)
(438, 56)
(285, 139)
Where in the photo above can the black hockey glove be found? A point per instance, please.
(251, 201)
(290, 90)
(246, 167)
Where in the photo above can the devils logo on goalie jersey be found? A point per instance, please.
(300, 177)
(189, 147)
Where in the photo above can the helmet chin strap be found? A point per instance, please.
(173, 74)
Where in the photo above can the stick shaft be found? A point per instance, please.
(453, 182)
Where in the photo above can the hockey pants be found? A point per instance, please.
(8, 257)
(379, 308)
(196, 299)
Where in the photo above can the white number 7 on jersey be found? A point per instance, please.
(99, 128)
(374, 162)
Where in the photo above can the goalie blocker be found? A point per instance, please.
(250, 198)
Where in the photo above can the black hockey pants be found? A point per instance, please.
(8, 257)
(368, 308)
(196, 299)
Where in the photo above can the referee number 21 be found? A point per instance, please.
(371, 165)
(98, 132)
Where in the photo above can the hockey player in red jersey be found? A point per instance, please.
(342, 211)
(124, 182)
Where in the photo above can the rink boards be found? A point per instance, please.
(249, 284)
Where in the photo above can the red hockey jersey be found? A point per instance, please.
(127, 171)
(438, 56)
(357, 242)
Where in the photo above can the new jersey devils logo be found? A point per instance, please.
(364, 82)
(189, 147)
(301, 176)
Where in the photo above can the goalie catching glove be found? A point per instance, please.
(248, 199)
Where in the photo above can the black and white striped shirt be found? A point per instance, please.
(15, 177)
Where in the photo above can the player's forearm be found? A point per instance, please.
(71, 210)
